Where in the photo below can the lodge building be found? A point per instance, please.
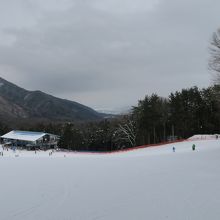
(30, 140)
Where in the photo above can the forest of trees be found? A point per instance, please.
(181, 115)
(154, 119)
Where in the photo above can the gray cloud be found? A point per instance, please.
(106, 53)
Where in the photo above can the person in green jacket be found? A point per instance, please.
(193, 147)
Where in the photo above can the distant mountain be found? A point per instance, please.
(18, 104)
(117, 111)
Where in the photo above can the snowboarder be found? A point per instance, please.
(193, 147)
(174, 149)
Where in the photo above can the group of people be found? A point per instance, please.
(193, 148)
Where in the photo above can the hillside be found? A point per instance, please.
(153, 183)
(18, 104)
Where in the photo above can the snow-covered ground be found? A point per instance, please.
(153, 183)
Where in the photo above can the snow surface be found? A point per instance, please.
(204, 137)
(153, 183)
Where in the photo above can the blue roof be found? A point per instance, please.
(33, 133)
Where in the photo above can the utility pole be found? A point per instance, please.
(173, 132)
(154, 136)
(164, 131)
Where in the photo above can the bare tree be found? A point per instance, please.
(214, 62)
(126, 133)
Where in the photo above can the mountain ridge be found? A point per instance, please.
(17, 103)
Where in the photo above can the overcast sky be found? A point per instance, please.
(107, 54)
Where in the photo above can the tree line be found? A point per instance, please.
(181, 115)
(155, 119)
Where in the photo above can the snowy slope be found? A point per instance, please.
(152, 183)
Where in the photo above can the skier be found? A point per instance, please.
(174, 149)
(193, 147)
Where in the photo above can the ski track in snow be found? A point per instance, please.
(152, 183)
(47, 206)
